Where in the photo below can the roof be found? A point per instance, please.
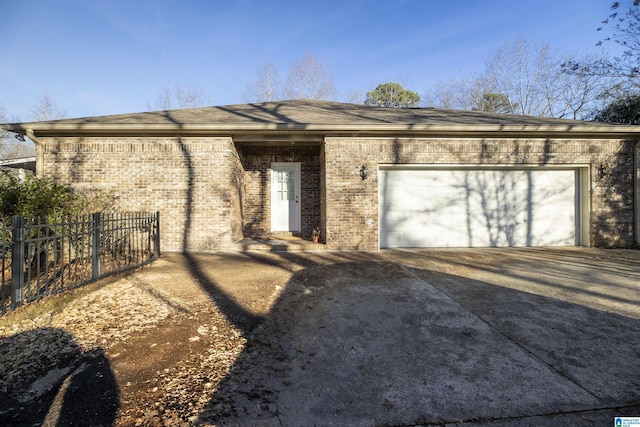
(317, 119)
(28, 163)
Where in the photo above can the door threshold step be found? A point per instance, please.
(275, 244)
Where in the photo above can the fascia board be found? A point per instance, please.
(440, 130)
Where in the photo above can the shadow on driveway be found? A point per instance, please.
(372, 342)
(58, 384)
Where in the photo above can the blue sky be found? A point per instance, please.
(108, 57)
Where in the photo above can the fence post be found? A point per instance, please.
(95, 253)
(17, 262)
(156, 237)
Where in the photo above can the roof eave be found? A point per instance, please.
(376, 130)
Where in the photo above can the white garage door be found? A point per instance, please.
(473, 208)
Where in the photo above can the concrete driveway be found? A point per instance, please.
(506, 337)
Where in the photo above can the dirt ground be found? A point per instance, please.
(177, 342)
(158, 341)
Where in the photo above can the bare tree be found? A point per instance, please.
(445, 95)
(526, 78)
(10, 146)
(459, 94)
(582, 93)
(5, 137)
(47, 109)
(309, 79)
(626, 33)
(356, 96)
(494, 103)
(537, 84)
(267, 86)
(524, 72)
(179, 97)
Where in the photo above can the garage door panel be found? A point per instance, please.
(404, 235)
(469, 208)
(553, 213)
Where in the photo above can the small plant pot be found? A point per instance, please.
(314, 239)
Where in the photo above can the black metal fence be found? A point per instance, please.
(42, 258)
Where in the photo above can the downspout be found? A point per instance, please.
(39, 153)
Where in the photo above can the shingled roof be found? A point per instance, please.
(321, 118)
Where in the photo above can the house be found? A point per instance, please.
(369, 177)
(19, 167)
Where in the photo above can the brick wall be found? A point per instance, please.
(236, 181)
(351, 204)
(256, 192)
(210, 194)
(193, 182)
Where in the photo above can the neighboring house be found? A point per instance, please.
(19, 167)
(368, 177)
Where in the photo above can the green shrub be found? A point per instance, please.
(38, 197)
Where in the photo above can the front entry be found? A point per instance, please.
(285, 197)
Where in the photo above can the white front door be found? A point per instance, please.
(285, 197)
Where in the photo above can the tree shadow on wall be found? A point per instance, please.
(47, 379)
(614, 183)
